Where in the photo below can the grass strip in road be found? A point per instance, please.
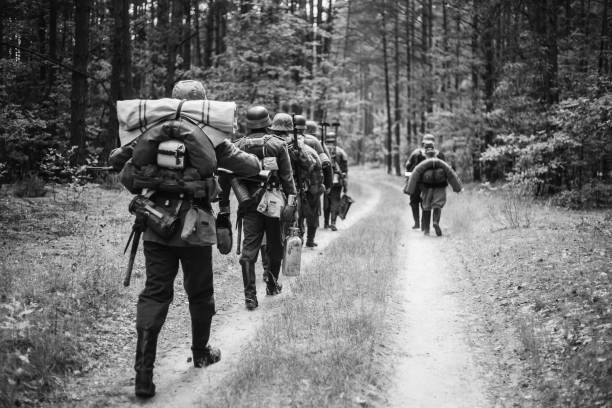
(319, 348)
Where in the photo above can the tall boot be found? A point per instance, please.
(250, 290)
(437, 212)
(146, 348)
(415, 215)
(203, 353)
(273, 287)
(332, 226)
(310, 236)
(326, 214)
(425, 221)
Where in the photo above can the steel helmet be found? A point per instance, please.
(282, 122)
(189, 89)
(300, 122)
(257, 117)
(330, 137)
(428, 137)
(311, 127)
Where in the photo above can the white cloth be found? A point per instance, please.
(135, 116)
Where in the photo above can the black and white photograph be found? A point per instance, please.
(306, 203)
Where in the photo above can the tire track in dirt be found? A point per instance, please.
(178, 383)
(433, 362)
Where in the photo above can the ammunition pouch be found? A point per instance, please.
(157, 218)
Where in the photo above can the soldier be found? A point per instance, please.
(162, 257)
(416, 157)
(273, 152)
(306, 159)
(331, 200)
(433, 175)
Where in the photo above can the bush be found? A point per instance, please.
(31, 186)
(593, 195)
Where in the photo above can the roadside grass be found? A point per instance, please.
(321, 347)
(545, 273)
(60, 274)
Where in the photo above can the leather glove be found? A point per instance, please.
(224, 233)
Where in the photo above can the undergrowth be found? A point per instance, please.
(550, 282)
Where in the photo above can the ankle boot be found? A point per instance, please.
(250, 290)
(146, 348)
(310, 235)
(415, 215)
(437, 212)
(425, 221)
(273, 287)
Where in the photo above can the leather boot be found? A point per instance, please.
(201, 318)
(326, 214)
(332, 226)
(437, 212)
(310, 235)
(250, 290)
(425, 221)
(146, 348)
(273, 287)
(415, 215)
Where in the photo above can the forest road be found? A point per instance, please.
(433, 360)
(178, 383)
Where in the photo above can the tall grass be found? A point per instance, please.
(317, 349)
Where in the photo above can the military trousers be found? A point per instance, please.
(331, 203)
(162, 264)
(310, 210)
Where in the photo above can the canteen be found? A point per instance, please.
(293, 254)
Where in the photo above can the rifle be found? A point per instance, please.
(137, 229)
(298, 182)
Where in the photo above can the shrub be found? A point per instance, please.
(593, 195)
(31, 186)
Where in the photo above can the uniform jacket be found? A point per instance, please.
(326, 163)
(261, 145)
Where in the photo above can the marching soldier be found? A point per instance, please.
(307, 158)
(331, 200)
(261, 213)
(433, 175)
(416, 157)
(163, 254)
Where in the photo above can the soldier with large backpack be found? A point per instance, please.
(416, 157)
(262, 204)
(172, 171)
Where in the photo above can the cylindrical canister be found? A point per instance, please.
(241, 191)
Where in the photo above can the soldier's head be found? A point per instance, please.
(257, 119)
(428, 137)
(282, 124)
(430, 148)
(300, 123)
(189, 89)
(311, 127)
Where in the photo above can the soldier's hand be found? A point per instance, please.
(288, 214)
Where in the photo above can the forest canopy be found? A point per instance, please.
(517, 91)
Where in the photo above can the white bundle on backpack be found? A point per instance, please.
(135, 116)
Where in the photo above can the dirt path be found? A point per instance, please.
(434, 366)
(178, 383)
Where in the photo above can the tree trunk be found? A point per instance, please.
(198, 45)
(78, 93)
(489, 60)
(52, 41)
(398, 106)
(187, 35)
(210, 30)
(603, 45)
(387, 93)
(409, 57)
(424, 63)
(474, 47)
(174, 34)
(121, 71)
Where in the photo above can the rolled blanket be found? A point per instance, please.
(417, 174)
(135, 116)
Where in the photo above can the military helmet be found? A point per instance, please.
(311, 127)
(282, 122)
(429, 147)
(300, 122)
(330, 137)
(257, 117)
(189, 89)
(428, 137)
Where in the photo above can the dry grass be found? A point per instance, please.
(543, 274)
(60, 275)
(320, 349)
